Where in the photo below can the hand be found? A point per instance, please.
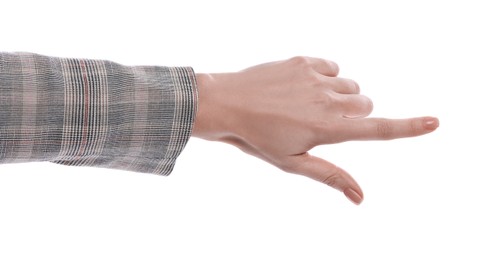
(279, 111)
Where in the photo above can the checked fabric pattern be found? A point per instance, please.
(96, 113)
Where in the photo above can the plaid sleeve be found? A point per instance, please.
(96, 113)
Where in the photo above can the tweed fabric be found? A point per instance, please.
(98, 113)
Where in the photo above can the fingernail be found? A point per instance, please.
(353, 196)
(430, 123)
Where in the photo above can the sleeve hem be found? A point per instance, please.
(186, 99)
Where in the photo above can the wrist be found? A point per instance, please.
(211, 121)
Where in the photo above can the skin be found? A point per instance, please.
(279, 111)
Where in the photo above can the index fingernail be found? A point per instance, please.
(430, 123)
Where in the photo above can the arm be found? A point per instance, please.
(278, 111)
(94, 113)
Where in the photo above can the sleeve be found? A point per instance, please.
(95, 113)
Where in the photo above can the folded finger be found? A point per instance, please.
(355, 106)
(324, 67)
(340, 85)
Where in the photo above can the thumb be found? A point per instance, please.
(327, 173)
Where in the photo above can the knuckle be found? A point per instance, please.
(325, 100)
(321, 125)
(319, 132)
(415, 127)
(350, 86)
(332, 178)
(300, 61)
(313, 80)
(384, 129)
(327, 131)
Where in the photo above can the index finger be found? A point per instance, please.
(387, 129)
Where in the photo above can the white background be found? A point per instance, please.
(425, 198)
